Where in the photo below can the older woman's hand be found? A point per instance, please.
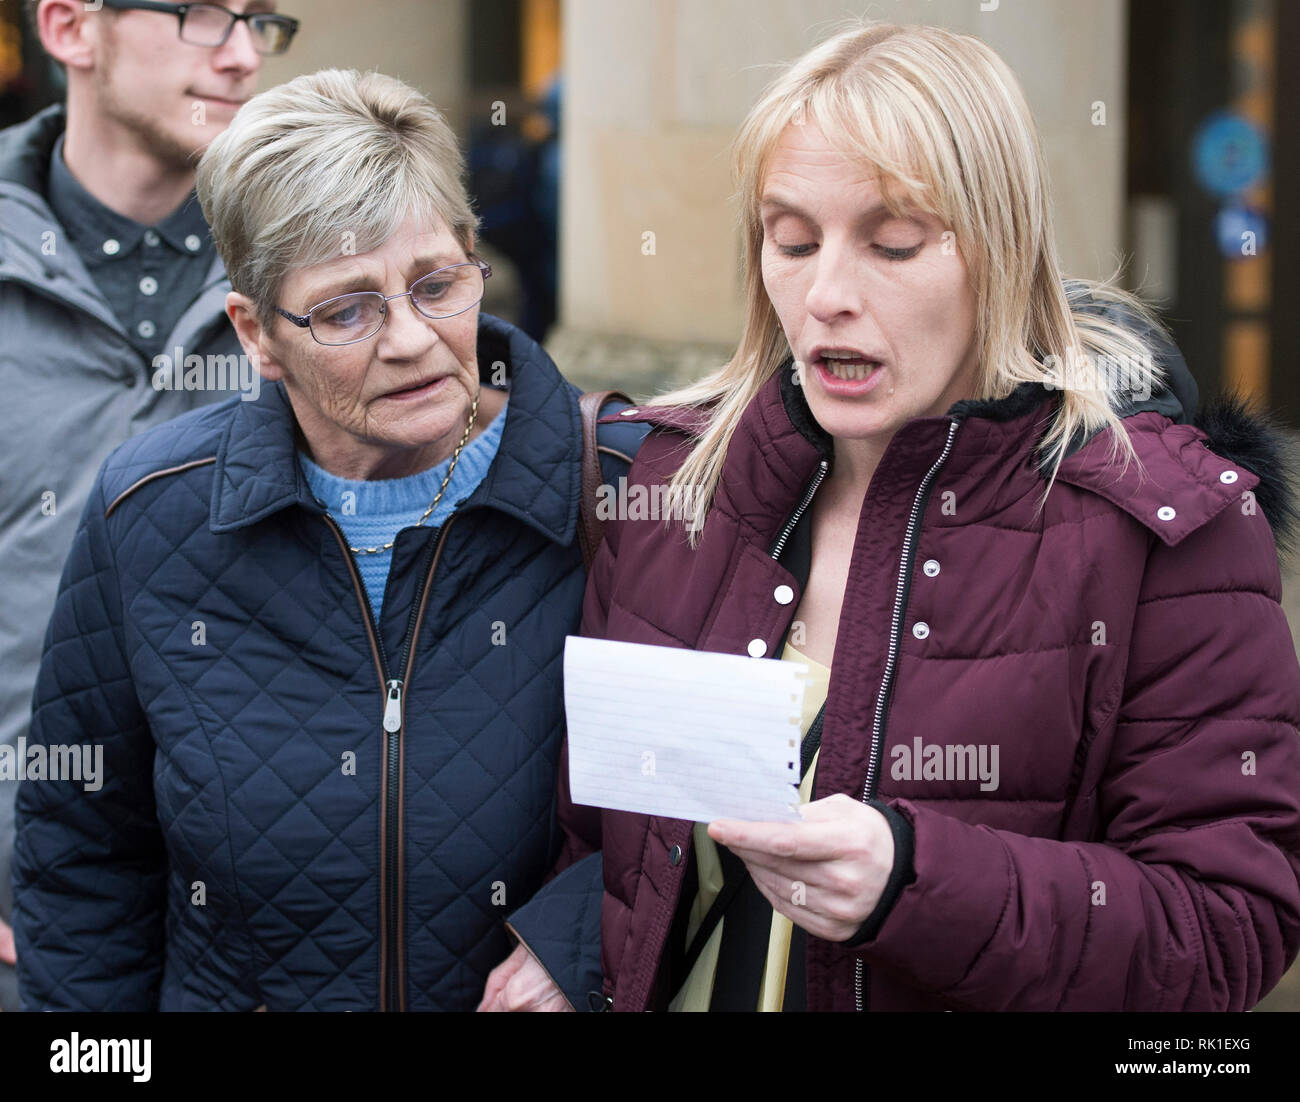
(519, 984)
(825, 874)
(7, 953)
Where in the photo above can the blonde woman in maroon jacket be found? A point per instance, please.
(915, 486)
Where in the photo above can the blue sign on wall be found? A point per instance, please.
(1229, 154)
(1241, 231)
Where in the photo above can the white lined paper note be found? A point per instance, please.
(683, 734)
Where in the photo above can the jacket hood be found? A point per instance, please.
(1258, 441)
(25, 215)
(25, 149)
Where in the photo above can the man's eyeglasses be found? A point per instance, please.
(347, 319)
(210, 25)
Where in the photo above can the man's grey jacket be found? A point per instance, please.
(72, 388)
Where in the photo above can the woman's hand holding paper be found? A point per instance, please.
(826, 873)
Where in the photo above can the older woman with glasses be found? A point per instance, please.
(306, 653)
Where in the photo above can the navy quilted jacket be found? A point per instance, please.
(260, 839)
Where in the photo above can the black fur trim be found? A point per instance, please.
(796, 408)
(1258, 441)
(1023, 400)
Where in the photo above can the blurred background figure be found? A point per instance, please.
(514, 175)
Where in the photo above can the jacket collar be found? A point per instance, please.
(26, 218)
(25, 149)
(1187, 474)
(778, 444)
(534, 478)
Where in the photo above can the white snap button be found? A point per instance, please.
(111, 247)
(783, 594)
(921, 629)
(1228, 477)
(757, 648)
(192, 243)
(931, 567)
(151, 238)
(146, 328)
(148, 285)
(629, 413)
(1166, 512)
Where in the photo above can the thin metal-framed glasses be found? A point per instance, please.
(210, 25)
(346, 319)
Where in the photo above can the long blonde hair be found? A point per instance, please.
(941, 121)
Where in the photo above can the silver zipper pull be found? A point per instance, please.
(393, 707)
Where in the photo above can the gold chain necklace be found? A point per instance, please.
(473, 412)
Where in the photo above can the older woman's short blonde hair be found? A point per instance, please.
(329, 164)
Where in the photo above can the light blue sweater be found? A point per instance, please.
(379, 509)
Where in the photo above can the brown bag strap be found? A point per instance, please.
(591, 529)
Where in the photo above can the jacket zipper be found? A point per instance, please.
(822, 468)
(392, 985)
(891, 660)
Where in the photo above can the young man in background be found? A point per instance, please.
(109, 286)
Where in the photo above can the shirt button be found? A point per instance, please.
(675, 856)
(148, 285)
(931, 567)
(921, 629)
(111, 247)
(783, 594)
(1228, 477)
(151, 238)
(146, 328)
(757, 648)
(1166, 512)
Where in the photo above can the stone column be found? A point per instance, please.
(654, 91)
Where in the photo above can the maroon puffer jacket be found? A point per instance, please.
(1124, 650)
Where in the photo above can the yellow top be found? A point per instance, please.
(697, 992)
